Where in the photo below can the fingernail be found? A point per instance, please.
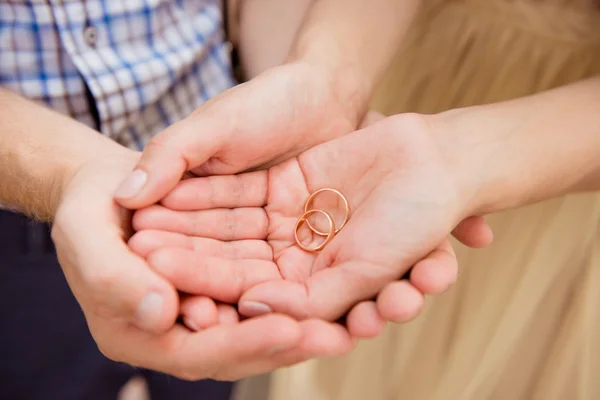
(190, 324)
(149, 311)
(254, 308)
(132, 184)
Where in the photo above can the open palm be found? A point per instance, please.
(232, 237)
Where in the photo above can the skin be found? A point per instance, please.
(102, 282)
(56, 169)
(402, 300)
(231, 237)
(59, 170)
(321, 92)
(409, 179)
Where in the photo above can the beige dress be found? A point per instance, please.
(523, 322)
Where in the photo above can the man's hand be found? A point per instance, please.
(275, 116)
(337, 58)
(405, 198)
(127, 304)
(90, 230)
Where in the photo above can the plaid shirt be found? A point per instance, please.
(129, 68)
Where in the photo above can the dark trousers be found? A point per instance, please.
(46, 350)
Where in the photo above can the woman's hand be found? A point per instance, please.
(232, 237)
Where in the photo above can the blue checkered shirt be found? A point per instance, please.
(129, 68)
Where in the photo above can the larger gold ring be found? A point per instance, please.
(303, 219)
(346, 209)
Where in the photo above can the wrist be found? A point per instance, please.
(91, 150)
(350, 88)
(474, 157)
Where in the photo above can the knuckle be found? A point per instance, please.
(156, 145)
(212, 192)
(159, 141)
(263, 225)
(238, 189)
(165, 143)
(231, 221)
(233, 249)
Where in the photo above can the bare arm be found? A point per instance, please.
(351, 39)
(355, 41)
(264, 31)
(39, 150)
(526, 150)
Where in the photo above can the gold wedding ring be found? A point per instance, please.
(346, 210)
(303, 219)
(332, 229)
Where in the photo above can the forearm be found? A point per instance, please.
(39, 151)
(526, 150)
(354, 40)
(264, 31)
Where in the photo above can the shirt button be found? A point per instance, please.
(90, 35)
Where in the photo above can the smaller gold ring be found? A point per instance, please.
(346, 209)
(303, 219)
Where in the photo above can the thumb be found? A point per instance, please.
(125, 287)
(109, 280)
(166, 158)
(142, 296)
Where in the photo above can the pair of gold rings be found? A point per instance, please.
(308, 212)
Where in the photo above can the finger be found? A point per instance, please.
(328, 294)
(224, 352)
(231, 191)
(338, 287)
(147, 241)
(222, 279)
(354, 267)
(115, 283)
(399, 302)
(474, 232)
(228, 315)
(199, 312)
(436, 272)
(222, 223)
(320, 339)
(285, 297)
(167, 157)
(363, 320)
